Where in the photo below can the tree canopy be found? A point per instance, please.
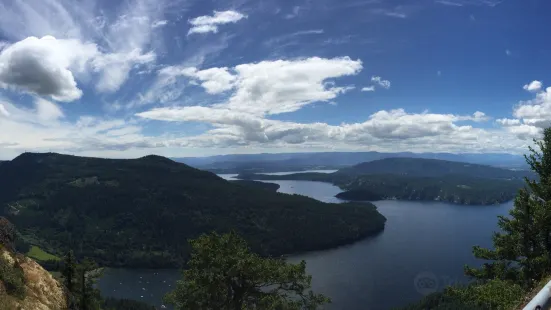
(224, 274)
(136, 212)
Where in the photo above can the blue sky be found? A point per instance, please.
(194, 78)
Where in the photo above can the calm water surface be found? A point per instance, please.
(421, 240)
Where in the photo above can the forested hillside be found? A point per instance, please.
(257, 184)
(140, 212)
(417, 179)
(421, 167)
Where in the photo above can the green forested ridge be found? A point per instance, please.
(453, 188)
(423, 167)
(140, 212)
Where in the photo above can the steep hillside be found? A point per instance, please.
(24, 284)
(140, 212)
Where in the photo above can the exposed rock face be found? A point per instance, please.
(42, 291)
(7, 233)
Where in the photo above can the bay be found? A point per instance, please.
(421, 240)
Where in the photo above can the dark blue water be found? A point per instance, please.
(421, 241)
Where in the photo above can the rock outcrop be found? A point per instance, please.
(41, 290)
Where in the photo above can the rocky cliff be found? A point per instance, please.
(24, 284)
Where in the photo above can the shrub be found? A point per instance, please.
(13, 279)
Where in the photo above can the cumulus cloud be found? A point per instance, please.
(394, 129)
(213, 80)
(273, 87)
(369, 88)
(207, 23)
(534, 86)
(531, 116)
(125, 42)
(45, 66)
(267, 87)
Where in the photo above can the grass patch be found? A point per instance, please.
(39, 254)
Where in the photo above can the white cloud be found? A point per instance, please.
(3, 111)
(273, 87)
(506, 122)
(368, 88)
(45, 129)
(115, 68)
(47, 111)
(214, 80)
(205, 24)
(450, 3)
(295, 12)
(459, 3)
(534, 86)
(123, 38)
(380, 82)
(159, 23)
(267, 87)
(531, 116)
(43, 66)
(385, 130)
(397, 12)
(291, 38)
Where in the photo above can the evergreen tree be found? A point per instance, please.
(69, 272)
(90, 298)
(223, 274)
(523, 246)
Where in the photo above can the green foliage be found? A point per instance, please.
(13, 279)
(441, 301)
(141, 223)
(89, 295)
(37, 253)
(80, 280)
(21, 245)
(223, 274)
(124, 304)
(493, 294)
(522, 249)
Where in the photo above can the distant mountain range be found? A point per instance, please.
(334, 160)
